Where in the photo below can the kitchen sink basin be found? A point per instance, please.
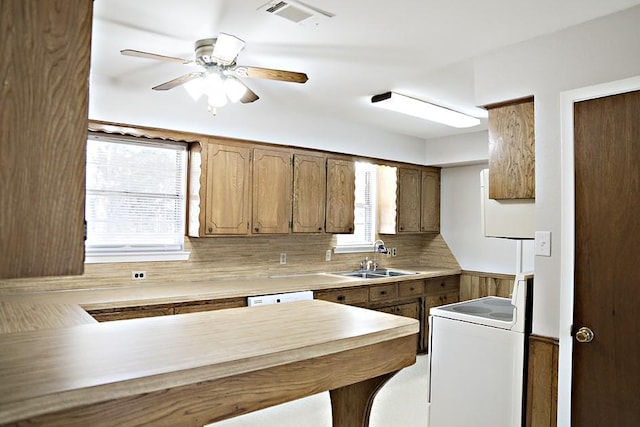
(376, 274)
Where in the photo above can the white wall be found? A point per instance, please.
(120, 104)
(468, 148)
(599, 51)
(460, 226)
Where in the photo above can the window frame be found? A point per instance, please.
(370, 204)
(144, 253)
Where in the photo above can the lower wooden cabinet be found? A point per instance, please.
(110, 314)
(408, 298)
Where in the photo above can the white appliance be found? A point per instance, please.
(477, 355)
(279, 298)
(513, 219)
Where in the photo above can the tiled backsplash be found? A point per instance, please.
(257, 256)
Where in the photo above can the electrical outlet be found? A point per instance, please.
(327, 255)
(394, 251)
(283, 258)
(138, 275)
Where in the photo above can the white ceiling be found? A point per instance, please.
(421, 48)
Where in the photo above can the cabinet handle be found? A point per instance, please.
(210, 229)
(412, 288)
(442, 284)
(350, 229)
(319, 228)
(256, 229)
(341, 298)
(401, 228)
(383, 292)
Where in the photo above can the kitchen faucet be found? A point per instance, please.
(378, 247)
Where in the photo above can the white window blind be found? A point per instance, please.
(135, 197)
(365, 210)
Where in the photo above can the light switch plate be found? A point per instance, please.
(543, 243)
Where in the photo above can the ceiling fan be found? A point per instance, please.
(218, 74)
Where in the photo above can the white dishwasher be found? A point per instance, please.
(477, 355)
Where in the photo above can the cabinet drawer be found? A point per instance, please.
(130, 313)
(438, 285)
(410, 288)
(383, 292)
(195, 307)
(438, 300)
(344, 295)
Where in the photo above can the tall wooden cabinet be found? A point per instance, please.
(309, 193)
(341, 188)
(512, 150)
(44, 74)
(271, 190)
(226, 201)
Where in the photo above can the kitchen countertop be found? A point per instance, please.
(172, 293)
(197, 368)
(31, 316)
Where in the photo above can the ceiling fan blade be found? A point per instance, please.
(147, 55)
(177, 81)
(249, 96)
(271, 74)
(227, 48)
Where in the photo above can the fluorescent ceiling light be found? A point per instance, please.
(424, 110)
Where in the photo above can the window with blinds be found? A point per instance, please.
(365, 210)
(135, 197)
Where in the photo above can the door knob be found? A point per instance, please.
(584, 335)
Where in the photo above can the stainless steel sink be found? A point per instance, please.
(376, 274)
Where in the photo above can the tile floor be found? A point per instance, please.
(402, 402)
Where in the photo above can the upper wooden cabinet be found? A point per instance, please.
(418, 200)
(44, 70)
(224, 192)
(408, 204)
(271, 191)
(341, 188)
(430, 201)
(309, 192)
(512, 150)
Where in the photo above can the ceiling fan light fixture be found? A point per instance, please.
(424, 110)
(234, 89)
(195, 88)
(226, 48)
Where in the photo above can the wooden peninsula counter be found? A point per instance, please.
(197, 368)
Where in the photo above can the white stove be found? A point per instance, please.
(503, 313)
(477, 352)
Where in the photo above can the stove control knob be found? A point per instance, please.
(584, 335)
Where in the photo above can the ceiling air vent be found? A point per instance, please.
(295, 11)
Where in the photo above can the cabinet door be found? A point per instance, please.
(512, 151)
(309, 192)
(271, 191)
(430, 202)
(44, 68)
(436, 301)
(227, 189)
(408, 208)
(341, 188)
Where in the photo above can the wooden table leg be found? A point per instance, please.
(351, 405)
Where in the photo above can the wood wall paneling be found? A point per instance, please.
(542, 382)
(477, 285)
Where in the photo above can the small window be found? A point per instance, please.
(364, 233)
(135, 200)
